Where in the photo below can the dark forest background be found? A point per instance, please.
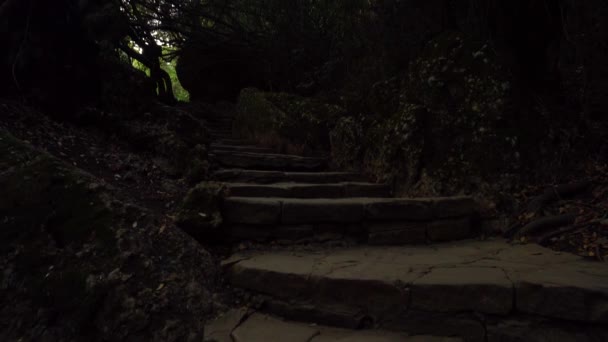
(538, 65)
(490, 98)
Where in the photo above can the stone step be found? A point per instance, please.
(219, 120)
(240, 148)
(226, 126)
(220, 128)
(268, 161)
(234, 142)
(221, 132)
(215, 136)
(268, 177)
(477, 290)
(307, 190)
(245, 325)
(384, 221)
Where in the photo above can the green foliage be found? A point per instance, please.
(284, 37)
(180, 93)
(139, 66)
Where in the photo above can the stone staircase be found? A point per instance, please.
(415, 270)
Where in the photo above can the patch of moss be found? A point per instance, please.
(199, 213)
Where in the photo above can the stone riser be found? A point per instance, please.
(221, 130)
(267, 177)
(235, 142)
(242, 148)
(468, 326)
(273, 211)
(224, 130)
(218, 135)
(248, 325)
(303, 190)
(260, 161)
(373, 233)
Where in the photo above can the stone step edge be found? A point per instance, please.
(265, 211)
(366, 232)
(427, 326)
(269, 162)
(250, 325)
(229, 148)
(261, 155)
(270, 177)
(308, 190)
(233, 141)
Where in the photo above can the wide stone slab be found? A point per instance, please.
(541, 331)
(306, 190)
(267, 177)
(483, 277)
(344, 335)
(259, 327)
(269, 161)
(220, 328)
(461, 288)
(569, 291)
(281, 276)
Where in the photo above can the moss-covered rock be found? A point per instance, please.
(293, 123)
(397, 153)
(199, 213)
(79, 265)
